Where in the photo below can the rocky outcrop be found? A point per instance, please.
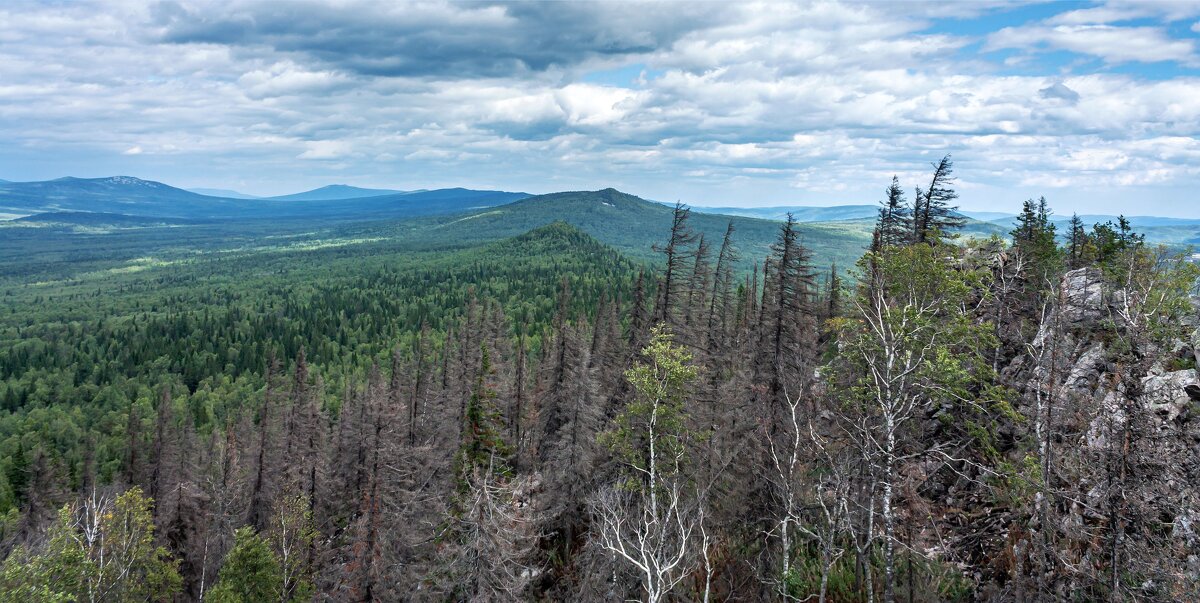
(1170, 395)
(1116, 414)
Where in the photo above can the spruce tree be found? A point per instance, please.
(251, 571)
(676, 252)
(894, 225)
(933, 216)
(1077, 240)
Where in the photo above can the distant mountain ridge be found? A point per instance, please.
(839, 230)
(223, 193)
(129, 196)
(801, 213)
(334, 192)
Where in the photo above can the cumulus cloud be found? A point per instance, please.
(751, 103)
(442, 39)
(1116, 11)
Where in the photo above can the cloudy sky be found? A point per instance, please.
(1096, 106)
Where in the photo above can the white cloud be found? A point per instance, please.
(134, 150)
(1112, 43)
(288, 79)
(750, 103)
(325, 149)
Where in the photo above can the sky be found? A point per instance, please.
(1096, 106)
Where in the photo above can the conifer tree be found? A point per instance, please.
(1035, 239)
(834, 291)
(569, 422)
(675, 264)
(1077, 240)
(263, 484)
(251, 571)
(933, 216)
(895, 223)
(164, 455)
(639, 321)
(721, 300)
(788, 348)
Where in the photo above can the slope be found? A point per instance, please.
(116, 195)
(222, 192)
(633, 225)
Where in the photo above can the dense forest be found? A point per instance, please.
(541, 419)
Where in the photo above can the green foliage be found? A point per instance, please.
(483, 445)
(1108, 241)
(933, 579)
(291, 535)
(118, 562)
(251, 571)
(75, 356)
(651, 434)
(916, 310)
(1156, 286)
(27, 579)
(1035, 237)
(1016, 483)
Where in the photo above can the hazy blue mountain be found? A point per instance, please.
(130, 196)
(223, 192)
(1158, 230)
(1137, 221)
(802, 213)
(335, 192)
(989, 216)
(116, 194)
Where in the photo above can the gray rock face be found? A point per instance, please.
(1076, 378)
(1169, 394)
(1196, 345)
(1086, 372)
(1084, 296)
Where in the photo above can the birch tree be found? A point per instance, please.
(911, 352)
(99, 551)
(650, 519)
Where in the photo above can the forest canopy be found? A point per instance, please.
(543, 418)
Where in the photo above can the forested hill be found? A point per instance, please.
(67, 244)
(632, 224)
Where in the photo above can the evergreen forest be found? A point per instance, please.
(510, 405)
